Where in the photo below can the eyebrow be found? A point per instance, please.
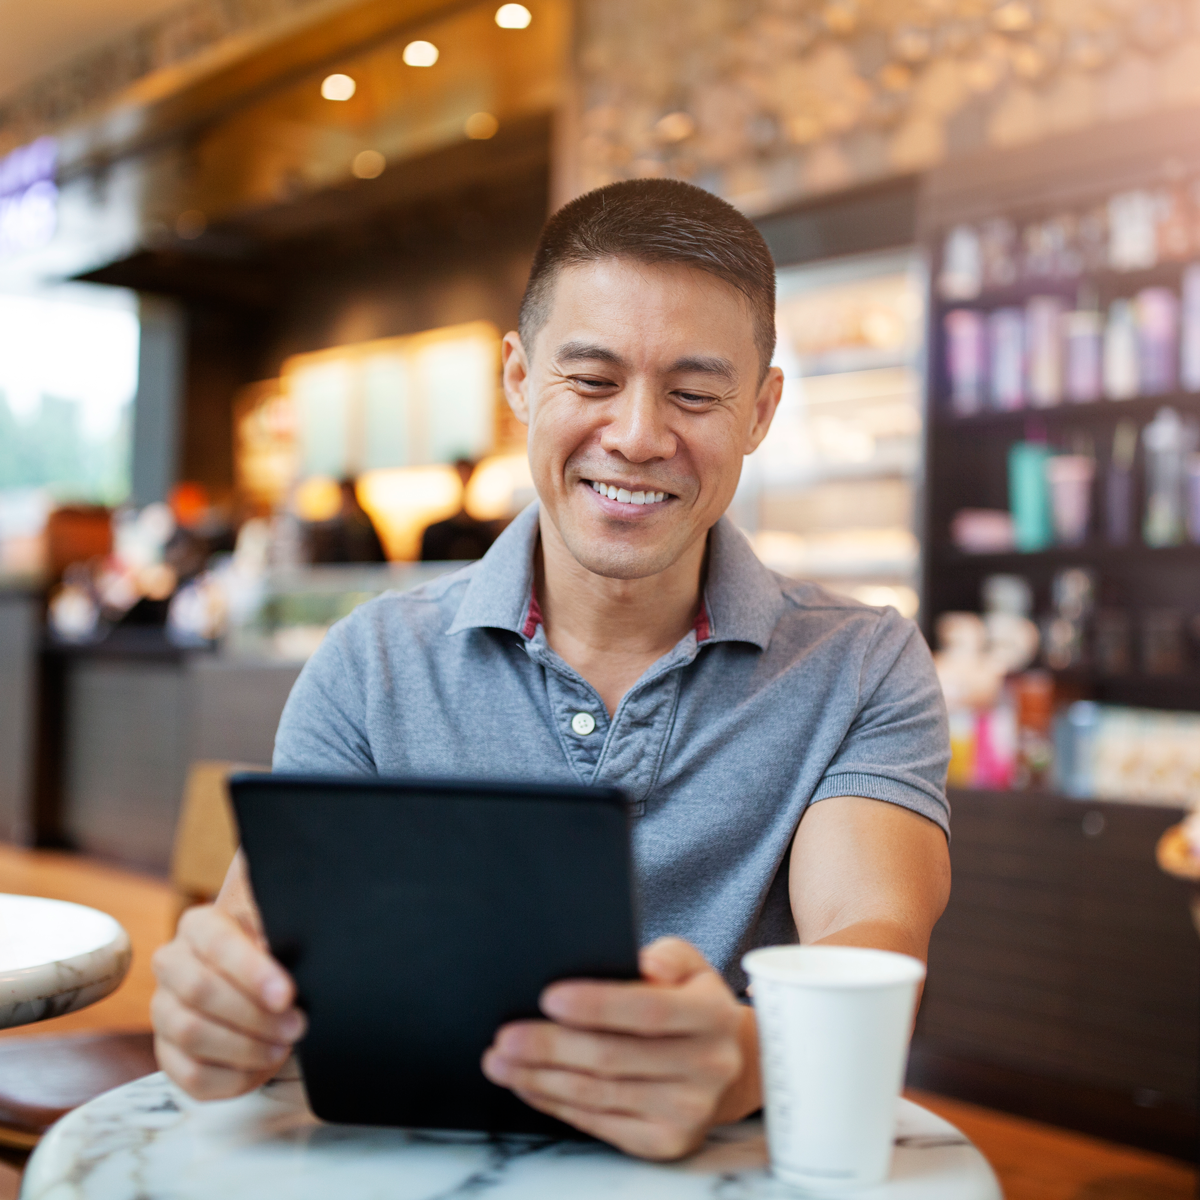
(589, 352)
(695, 364)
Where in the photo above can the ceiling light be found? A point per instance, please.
(420, 54)
(337, 87)
(368, 164)
(481, 126)
(513, 16)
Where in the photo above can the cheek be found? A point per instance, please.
(559, 429)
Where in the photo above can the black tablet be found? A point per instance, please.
(417, 916)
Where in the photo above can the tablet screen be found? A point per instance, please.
(417, 916)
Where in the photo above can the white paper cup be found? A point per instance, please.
(833, 1030)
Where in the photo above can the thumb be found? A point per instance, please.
(671, 960)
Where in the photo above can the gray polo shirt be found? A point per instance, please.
(780, 696)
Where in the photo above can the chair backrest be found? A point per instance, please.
(206, 837)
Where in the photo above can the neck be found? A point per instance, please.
(610, 630)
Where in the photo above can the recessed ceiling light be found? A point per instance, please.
(513, 16)
(338, 87)
(420, 54)
(368, 164)
(481, 126)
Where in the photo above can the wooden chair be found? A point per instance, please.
(205, 835)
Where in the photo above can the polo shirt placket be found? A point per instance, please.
(626, 750)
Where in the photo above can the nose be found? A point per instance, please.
(638, 429)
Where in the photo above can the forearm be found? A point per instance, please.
(880, 935)
(744, 1094)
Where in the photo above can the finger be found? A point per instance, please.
(222, 943)
(671, 960)
(205, 1081)
(210, 1042)
(203, 989)
(703, 1005)
(623, 1056)
(671, 1102)
(659, 1141)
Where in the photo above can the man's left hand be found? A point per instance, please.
(648, 1066)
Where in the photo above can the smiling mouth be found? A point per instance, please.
(625, 495)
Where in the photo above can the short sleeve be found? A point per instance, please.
(323, 727)
(898, 746)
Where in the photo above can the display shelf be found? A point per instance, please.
(1104, 284)
(1068, 414)
(1096, 554)
(966, 456)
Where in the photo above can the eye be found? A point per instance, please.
(694, 398)
(590, 383)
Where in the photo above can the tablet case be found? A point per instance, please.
(417, 916)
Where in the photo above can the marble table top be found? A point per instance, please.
(56, 957)
(149, 1141)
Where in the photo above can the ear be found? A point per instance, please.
(514, 371)
(765, 404)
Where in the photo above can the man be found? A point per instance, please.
(785, 749)
(461, 537)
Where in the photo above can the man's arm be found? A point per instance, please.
(868, 873)
(651, 1066)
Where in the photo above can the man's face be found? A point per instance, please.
(644, 379)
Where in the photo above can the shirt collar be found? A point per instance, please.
(742, 598)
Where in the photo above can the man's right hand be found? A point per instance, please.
(224, 1015)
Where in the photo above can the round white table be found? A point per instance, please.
(149, 1141)
(56, 957)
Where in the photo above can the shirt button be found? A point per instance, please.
(583, 723)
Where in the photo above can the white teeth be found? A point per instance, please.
(624, 496)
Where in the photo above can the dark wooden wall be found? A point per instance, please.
(1064, 978)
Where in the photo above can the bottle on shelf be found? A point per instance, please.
(1157, 310)
(1118, 485)
(1044, 350)
(1169, 442)
(1121, 351)
(1029, 495)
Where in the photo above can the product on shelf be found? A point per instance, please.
(1107, 752)
(1029, 495)
(1121, 351)
(1064, 629)
(1189, 330)
(961, 276)
(965, 359)
(1070, 478)
(1084, 334)
(1006, 359)
(1132, 233)
(1169, 442)
(1044, 350)
(983, 531)
(1157, 311)
(1118, 485)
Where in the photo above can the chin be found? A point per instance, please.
(612, 559)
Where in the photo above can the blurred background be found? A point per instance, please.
(256, 259)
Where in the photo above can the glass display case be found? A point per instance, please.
(831, 493)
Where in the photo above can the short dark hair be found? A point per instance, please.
(655, 221)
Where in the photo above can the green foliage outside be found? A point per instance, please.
(54, 451)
